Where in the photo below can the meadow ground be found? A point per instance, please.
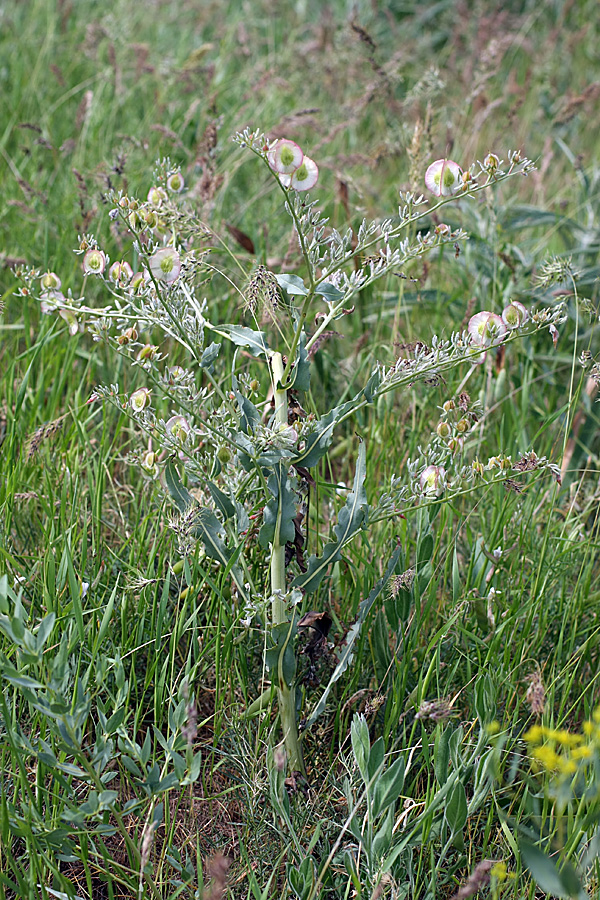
(457, 750)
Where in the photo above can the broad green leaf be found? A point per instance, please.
(352, 519)
(455, 811)
(222, 501)
(329, 291)
(441, 754)
(361, 744)
(318, 441)
(293, 284)
(300, 374)
(209, 355)
(388, 786)
(254, 341)
(181, 496)
(280, 657)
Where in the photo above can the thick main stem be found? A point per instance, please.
(286, 694)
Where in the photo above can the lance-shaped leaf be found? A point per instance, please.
(255, 341)
(207, 527)
(352, 518)
(249, 415)
(209, 355)
(180, 495)
(223, 503)
(347, 652)
(300, 374)
(278, 515)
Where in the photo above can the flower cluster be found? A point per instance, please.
(562, 753)
(295, 170)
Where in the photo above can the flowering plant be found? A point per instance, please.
(236, 449)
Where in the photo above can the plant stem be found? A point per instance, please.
(286, 694)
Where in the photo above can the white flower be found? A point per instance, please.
(71, 320)
(51, 301)
(432, 478)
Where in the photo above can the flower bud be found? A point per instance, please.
(147, 352)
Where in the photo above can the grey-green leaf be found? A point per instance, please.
(293, 284)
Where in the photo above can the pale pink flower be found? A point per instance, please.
(285, 157)
(50, 281)
(304, 178)
(120, 273)
(175, 182)
(178, 428)
(515, 314)
(157, 195)
(50, 301)
(94, 262)
(485, 328)
(432, 478)
(442, 178)
(165, 265)
(139, 399)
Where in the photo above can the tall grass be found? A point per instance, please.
(113, 646)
